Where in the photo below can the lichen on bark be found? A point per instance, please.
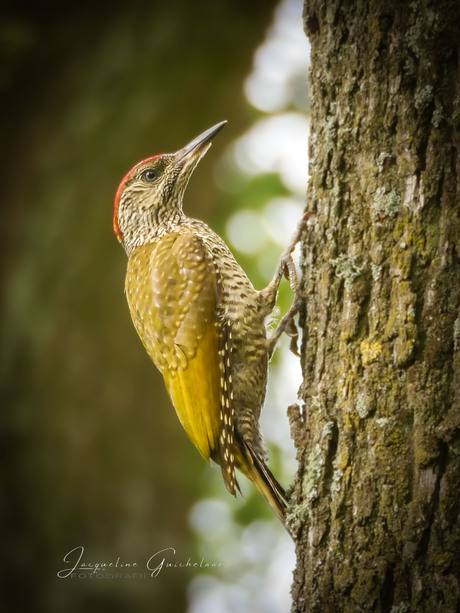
(375, 508)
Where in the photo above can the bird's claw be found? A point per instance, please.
(290, 272)
(287, 269)
(287, 325)
(292, 331)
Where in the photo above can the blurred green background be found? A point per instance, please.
(92, 452)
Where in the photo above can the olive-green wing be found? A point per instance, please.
(175, 316)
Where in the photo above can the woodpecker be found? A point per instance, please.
(198, 316)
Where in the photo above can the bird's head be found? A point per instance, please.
(149, 199)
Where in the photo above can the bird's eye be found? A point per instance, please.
(150, 175)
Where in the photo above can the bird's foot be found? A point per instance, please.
(286, 264)
(287, 325)
(286, 268)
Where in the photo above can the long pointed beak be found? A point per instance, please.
(199, 145)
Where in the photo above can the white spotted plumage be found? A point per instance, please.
(227, 413)
(199, 317)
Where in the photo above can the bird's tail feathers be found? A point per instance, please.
(258, 472)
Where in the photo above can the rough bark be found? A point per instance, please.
(376, 509)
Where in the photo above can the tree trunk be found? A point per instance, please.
(375, 511)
